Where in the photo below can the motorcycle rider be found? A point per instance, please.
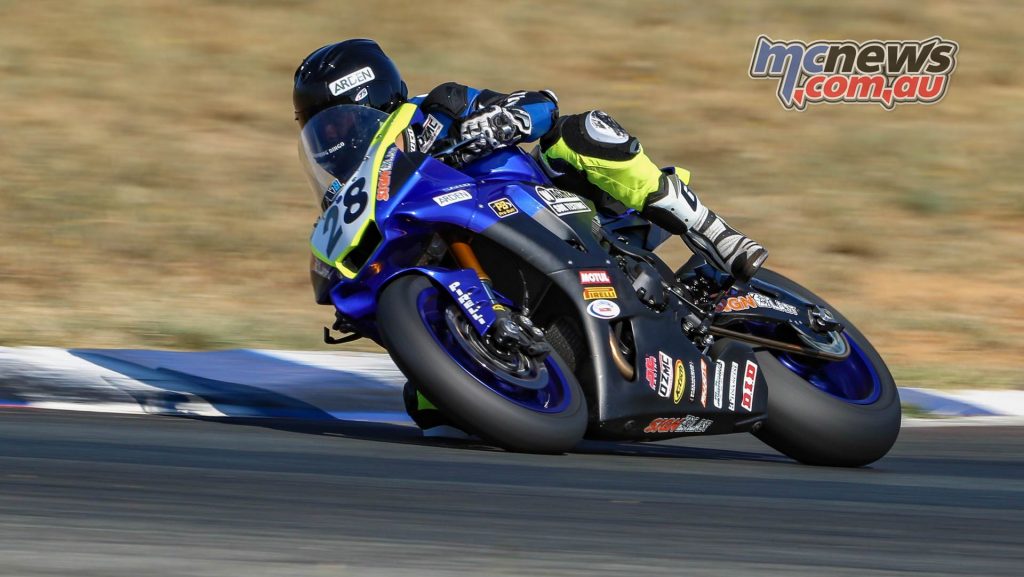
(588, 153)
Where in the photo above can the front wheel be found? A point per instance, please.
(839, 413)
(429, 339)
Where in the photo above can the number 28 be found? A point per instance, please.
(355, 201)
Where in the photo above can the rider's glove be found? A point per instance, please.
(495, 126)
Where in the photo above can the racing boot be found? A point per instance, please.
(427, 417)
(676, 208)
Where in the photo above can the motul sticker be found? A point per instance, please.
(595, 277)
(749, 378)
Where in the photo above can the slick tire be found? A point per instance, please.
(815, 427)
(459, 395)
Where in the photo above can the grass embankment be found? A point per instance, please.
(150, 194)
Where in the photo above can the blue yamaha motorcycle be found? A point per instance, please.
(533, 318)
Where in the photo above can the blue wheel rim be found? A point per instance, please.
(853, 380)
(553, 398)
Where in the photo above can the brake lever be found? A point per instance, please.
(451, 154)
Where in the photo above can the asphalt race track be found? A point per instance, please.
(110, 495)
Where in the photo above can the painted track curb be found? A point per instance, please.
(300, 384)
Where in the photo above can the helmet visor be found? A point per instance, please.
(333, 144)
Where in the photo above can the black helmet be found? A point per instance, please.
(350, 72)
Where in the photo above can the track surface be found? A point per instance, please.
(109, 495)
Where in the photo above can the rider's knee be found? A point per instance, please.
(592, 134)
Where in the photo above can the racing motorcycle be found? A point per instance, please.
(533, 318)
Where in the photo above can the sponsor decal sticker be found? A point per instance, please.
(678, 382)
(603, 309)
(384, 177)
(664, 375)
(749, 378)
(503, 207)
(732, 385)
(465, 301)
(595, 277)
(453, 197)
(651, 371)
(693, 383)
(561, 202)
(687, 424)
(703, 383)
(719, 382)
(360, 95)
(599, 292)
(753, 301)
(884, 72)
(432, 128)
(351, 80)
(331, 193)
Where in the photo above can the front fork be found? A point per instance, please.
(507, 330)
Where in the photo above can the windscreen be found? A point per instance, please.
(333, 145)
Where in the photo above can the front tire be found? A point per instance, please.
(816, 427)
(478, 401)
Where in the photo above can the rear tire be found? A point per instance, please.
(815, 427)
(415, 347)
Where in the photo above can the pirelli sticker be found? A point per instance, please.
(599, 292)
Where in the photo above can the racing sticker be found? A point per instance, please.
(503, 207)
(603, 309)
(688, 424)
(599, 292)
(678, 382)
(664, 375)
(703, 384)
(732, 385)
(453, 197)
(693, 383)
(749, 378)
(719, 382)
(331, 193)
(651, 371)
(595, 277)
(351, 80)
(753, 301)
(384, 176)
(465, 300)
(561, 202)
(432, 128)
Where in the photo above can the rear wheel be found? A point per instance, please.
(838, 413)
(520, 403)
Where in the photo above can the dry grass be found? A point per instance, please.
(150, 195)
